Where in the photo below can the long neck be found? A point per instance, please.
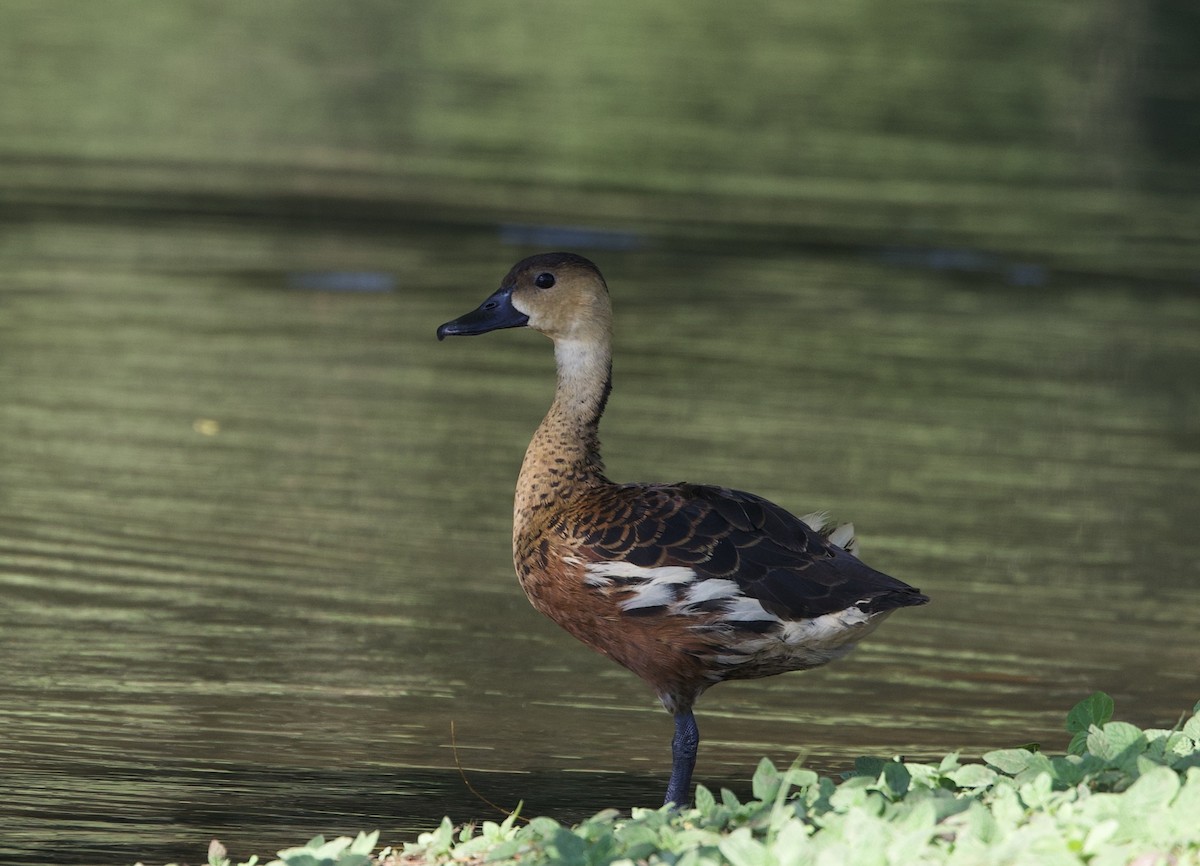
(565, 450)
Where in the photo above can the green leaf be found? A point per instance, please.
(1068, 771)
(973, 776)
(1097, 839)
(1009, 761)
(1022, 764)
(949, 763)
(566, 848)
(1151, 793)
(765, 783)
(504, 851)
(800, 778)
(1097, 709)
(342, 851)
(543, 826)
(791, 845)
(635, 838)
(303, 855)
(364, 843)
(440, 841)
(742, 849)
(896, 779)
(1166, 747)
(981, 822)
(1118, 743)
(857, 793)
(1037, 791)
(819, 797)
(868, 767)
(1078, 743)
(217, 854)
(705, 801)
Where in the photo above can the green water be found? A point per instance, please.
(254, 526)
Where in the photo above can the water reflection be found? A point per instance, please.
(254, 520)
(266, 629)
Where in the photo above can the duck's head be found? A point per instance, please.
(560, 294)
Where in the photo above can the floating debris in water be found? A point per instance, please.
(342, 281)
(568, 237)
(966, 261)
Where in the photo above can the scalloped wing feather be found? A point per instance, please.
(794, 568)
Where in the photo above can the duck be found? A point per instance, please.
(686, 585)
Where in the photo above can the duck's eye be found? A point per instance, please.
(543, 280)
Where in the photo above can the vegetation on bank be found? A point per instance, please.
(1120, 795)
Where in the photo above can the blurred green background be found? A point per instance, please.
(1066, 132)
(932, 266)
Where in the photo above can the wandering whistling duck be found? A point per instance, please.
(684, 584)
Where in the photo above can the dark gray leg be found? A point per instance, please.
(683, 755)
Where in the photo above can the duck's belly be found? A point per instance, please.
(678, 647)
(666, 651)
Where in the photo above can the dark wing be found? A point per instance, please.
(792, 569)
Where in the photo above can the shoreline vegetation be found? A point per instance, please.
(1120, 795)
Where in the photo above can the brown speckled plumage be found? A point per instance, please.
(686, 585)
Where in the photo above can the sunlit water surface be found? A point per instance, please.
(255, 538)
(255, 578)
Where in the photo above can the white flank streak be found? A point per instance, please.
(831, 629)
(730, 659)
(714, 587)
(656, 586)
(649, 595)
(659, 589)
(662, 573)
(748, 609)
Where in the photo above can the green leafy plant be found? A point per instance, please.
(1095, 710)
(342, 851)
